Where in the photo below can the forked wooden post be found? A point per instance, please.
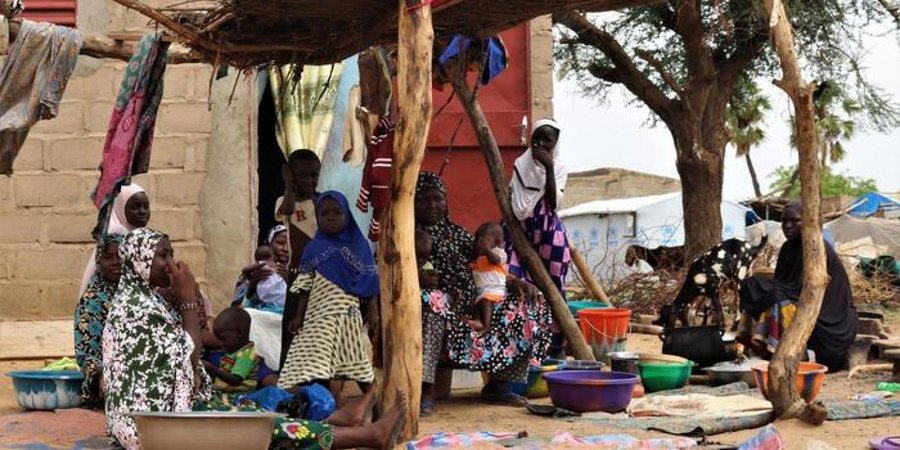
(783, 367)
(401, 300)
(530, 258)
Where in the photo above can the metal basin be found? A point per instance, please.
(159, 430)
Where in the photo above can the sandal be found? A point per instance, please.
(887, 443)
(504, 399)
(426, 408)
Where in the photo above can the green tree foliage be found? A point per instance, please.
(746, 112)
(833, 184)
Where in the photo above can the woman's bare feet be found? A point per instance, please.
(389, 426)
(354, 413)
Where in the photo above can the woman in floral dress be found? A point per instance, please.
(151, 356)
(90, 319)
(520, 335)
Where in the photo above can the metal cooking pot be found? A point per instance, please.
(624, 362)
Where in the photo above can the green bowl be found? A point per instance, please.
(578, 305)
(662, 376)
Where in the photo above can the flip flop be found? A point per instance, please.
(426, 408)
(505, 399)
(885, 443)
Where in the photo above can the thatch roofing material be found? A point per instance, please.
(247, 33)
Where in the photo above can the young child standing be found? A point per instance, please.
(297, 211)
(490, 272)
(337, 272)
(237, 369)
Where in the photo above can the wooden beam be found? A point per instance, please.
(783, 367)
(105, 47)
(530, 258)
(401, 297)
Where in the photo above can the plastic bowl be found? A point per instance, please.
(810, 377)
(537, 385)
(579, 364)
(578, 305)
(205, 430)
(46, 390)
(591, 390)
(662, 376)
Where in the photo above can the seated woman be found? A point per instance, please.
(520, 333)
(90, 319)
(773, 302)
(151, 355)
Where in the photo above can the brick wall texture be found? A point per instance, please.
(45, 210)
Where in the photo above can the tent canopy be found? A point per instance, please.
(868, 204)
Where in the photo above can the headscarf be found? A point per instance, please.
(530, 177)
(344, 258)
(452, 247)
(274, 232)
(118, 224)
(137, 253)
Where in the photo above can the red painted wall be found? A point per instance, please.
(505, 101)
(59, 12)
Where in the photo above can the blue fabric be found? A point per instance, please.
(496, 59)
(321, 402)
(266, 398)
(344, 258)
(868, 204)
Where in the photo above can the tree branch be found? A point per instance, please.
(625, 71)
(689, 25)
(665, 74)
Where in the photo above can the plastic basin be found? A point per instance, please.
(809, 379)
(578, 305)
(662, 376)
(205, 430)
(604, 329)
(47, 390)
(591, 390)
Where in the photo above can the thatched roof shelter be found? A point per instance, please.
(246, 33)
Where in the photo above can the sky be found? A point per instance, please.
(616, 134)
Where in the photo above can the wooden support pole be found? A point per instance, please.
(530, 258)
(587, 276)
(401, 298)
(783, 367)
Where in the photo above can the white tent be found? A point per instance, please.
(602, 230)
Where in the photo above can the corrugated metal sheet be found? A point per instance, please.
(59, 12)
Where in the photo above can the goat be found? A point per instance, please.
(660, 258)
(729, 260)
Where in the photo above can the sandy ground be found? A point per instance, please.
(463, 412)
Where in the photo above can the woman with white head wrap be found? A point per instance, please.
(537, 187)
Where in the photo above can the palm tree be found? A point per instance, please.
(833, 125)
(746, 112)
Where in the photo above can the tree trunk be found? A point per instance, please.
(753, 177)
(530, 259)
(701, 173)
(783, 367)
(401, 304)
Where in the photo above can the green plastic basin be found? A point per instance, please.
(662, 376)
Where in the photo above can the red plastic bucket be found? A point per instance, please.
(605, 330)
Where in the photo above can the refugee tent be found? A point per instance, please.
(866, 238)
(603, 229)
(874, 204)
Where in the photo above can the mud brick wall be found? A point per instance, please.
(45, 210)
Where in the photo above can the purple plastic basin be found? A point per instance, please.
(591, 390)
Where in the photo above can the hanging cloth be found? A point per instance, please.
(304, 109)
(130, 133)
(32, 82)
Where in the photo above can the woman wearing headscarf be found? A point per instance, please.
(536, 191)
(90, 319)
(131, 209)
(519, 334)
(337, 275)
(151, 344)
(774, 302)
(150, 358)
